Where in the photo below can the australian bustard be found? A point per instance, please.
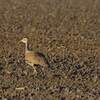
(34, 58)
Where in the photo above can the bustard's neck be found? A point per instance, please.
(26, 47)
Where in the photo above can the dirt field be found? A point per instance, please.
(67, 32)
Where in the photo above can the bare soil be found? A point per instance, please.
(67, 32)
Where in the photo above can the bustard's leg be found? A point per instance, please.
(35, 71)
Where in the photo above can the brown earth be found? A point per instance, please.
(67, 32)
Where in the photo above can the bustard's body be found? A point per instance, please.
(34, 58)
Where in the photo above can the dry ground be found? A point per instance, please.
(67, 32)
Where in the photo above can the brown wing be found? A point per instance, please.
(42, 58)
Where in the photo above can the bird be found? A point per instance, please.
(34, 58)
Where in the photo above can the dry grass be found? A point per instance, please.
(67, 32)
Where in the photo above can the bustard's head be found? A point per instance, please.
(24, 40)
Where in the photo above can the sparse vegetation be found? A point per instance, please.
(68, 32)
